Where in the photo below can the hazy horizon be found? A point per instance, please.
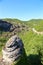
(21, 9)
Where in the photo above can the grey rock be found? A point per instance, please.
(13, 49)
(5, 26)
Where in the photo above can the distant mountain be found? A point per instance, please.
(36, 23)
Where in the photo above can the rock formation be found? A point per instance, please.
(13, 49)
(5, 26)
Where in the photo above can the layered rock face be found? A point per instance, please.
(13, 49)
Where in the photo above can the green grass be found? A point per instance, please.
(2, 43)
(33, 43)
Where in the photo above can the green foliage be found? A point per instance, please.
(33, 43)
(33, 46)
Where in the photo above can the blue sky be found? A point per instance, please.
(21, 9)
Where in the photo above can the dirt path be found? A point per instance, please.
(35, 31)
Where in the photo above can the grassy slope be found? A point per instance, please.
(33, 43)
(33, 46)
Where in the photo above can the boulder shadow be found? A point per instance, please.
(32, 59)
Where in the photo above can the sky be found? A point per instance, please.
(21, 9)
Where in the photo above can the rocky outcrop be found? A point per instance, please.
(13, 49)
(5, 26)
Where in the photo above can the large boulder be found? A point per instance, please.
(13, 49)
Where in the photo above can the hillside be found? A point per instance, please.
(33, 43)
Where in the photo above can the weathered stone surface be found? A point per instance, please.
(13, 49)
(5, 26)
